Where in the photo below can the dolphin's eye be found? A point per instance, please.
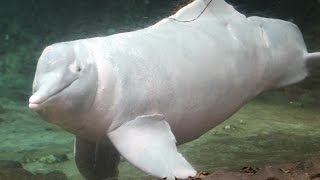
(79, 69)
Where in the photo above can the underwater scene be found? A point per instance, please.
(106, 89)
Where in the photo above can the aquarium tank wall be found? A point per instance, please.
(279, 128)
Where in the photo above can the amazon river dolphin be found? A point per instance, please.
(138, 94)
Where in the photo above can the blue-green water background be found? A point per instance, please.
(279, 126)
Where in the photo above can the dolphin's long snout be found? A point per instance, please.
(34, 103)
(37, 99)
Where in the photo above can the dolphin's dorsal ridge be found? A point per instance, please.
(205, 9)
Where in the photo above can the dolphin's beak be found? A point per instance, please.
(33, 103)
(37, 100)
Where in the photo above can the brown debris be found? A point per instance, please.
(249, 170)
(315, 176)
(286, 171)
(200, 175)
(272, 178)
(308, 169)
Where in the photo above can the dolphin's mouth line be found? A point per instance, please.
(39, 105)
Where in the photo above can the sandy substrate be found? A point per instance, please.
(267, 133)
(301, 170)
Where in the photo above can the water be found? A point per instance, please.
(271, 129)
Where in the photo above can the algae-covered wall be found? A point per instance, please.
(28, 26)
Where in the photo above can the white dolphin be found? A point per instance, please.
(139, 93)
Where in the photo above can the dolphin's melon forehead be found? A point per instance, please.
(56, 53)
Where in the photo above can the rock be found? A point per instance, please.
(22, 174)
(229, 127)
(242, 122)
(15, 174)
(54, 175)
(54, 158)
(10, 164)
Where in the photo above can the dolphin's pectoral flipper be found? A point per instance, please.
(148, 143)
(96, 160)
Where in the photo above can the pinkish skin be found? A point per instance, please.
(190, 76)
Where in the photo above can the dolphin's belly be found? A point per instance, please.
(198, 77)
(203, 100)
(196, 83)
(194, 93)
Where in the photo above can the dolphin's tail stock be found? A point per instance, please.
(312, 60)
(313, 56)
